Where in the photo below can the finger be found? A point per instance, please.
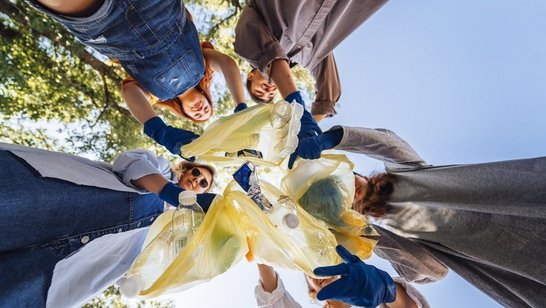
(291, 160)
(346, 255)
(334, 290)
(340, 269)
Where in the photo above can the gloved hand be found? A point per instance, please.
(360, 284)
(169, 193)
(170, 137)
(309, 126)
(311, 147)
(239, 107)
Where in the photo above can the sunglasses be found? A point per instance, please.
(196, 172)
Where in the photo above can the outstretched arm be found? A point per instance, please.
(270, 291)
(228, 68)
(268, 277)
(138, 102)
(379, 143)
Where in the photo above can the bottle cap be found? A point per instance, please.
(291, 221)
(131, 286)
(187, 197)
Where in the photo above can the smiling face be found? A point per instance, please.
(315, 285)
(195, 105)
(260, 88)
(197, 179)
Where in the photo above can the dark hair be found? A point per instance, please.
(380, 187)
(254, 98)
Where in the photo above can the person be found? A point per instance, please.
(273, 36)
(157, 44)
(484, 221)
(60, 212)
(351, 283)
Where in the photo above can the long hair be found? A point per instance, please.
(380, 187)
(184, 166)
(175, 105)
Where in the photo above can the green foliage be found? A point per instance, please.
(56, 94)
(112, 298)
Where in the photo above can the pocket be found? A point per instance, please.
(183, 74)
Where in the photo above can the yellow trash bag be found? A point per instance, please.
(233, 227)
(271, 129)
(325, 188)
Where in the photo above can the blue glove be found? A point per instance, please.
(239, 107)
(311, 147)
(360, 284)
(170, 137)
(169, 193)
(309, 126)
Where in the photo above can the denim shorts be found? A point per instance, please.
(153, 39)
(43, 220)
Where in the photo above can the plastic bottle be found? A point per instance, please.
(284, 213)
(158, 258)
(186, 220)
(161, 252)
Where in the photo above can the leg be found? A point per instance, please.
(43, 220)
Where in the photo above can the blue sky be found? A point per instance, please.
(461, 81)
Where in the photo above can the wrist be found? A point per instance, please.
(240, 106)
(153, 125)
(330, 139)
(169, 193)
(295, 96)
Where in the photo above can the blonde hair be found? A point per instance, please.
(185, 166)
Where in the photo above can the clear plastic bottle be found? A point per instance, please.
(186, 220)
(156, 260)
(284, 213)
(280, 115)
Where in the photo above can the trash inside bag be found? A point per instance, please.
(264, 134)
(234, 227)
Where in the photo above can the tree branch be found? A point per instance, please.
(18, 16)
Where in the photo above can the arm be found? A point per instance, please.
(327, 88)
(229, 69)
(268, 278)
(270, 291)
(379, 143)
(135, 164)
(143, 170)
(255, 43)
(406, 296)
(411, 260)
(138, 102)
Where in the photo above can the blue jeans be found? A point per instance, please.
(43, 220)
(153, 39)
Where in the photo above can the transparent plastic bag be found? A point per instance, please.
(271, 129)
(234, 227)
(349, 226)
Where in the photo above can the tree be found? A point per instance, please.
(57, 94)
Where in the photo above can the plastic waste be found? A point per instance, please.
(267, 132)
(282, 213)
(165, 247)
(187, 217)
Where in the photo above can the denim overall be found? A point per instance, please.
(43, 220)
(153, 39)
